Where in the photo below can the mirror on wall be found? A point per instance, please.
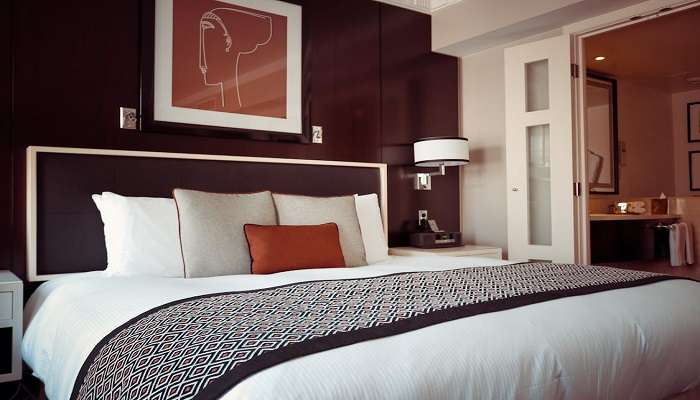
(601, 129)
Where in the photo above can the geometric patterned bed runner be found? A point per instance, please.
(201, 347)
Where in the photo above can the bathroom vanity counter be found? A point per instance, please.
(626, 237)
(633, 217)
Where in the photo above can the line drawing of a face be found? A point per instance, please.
(214, 36)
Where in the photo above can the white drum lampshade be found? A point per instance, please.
(439, 151)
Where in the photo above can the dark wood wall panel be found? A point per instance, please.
(5, 135)
(69, 238)
(420, 92)
(375, 87)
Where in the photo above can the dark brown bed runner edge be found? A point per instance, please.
(222, 384)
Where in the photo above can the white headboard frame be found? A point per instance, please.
(31, 185)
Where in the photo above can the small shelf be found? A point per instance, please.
(459, 251)
(632, 217)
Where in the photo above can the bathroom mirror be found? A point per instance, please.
(601, 129)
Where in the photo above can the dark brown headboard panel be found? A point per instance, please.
(64, 230)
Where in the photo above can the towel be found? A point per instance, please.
(689, 253)
(680, 240)
(676, 244)
(595, 167)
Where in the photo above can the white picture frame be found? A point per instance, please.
(165, 111)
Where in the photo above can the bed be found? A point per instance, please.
(640, 343)
(638, 337)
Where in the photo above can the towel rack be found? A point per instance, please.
(664, 226)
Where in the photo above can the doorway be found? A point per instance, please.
(639, 91)
(548, 158)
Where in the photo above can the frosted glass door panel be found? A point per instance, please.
(539, 191)
(537, 85)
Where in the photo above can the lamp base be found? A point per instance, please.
(422, 180)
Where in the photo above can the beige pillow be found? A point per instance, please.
(211, 229)
(305, 210)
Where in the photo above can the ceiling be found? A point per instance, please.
(663, 52)
(424, 6)
(470, 26)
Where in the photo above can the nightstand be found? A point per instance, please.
(11, 301)
(461, 251)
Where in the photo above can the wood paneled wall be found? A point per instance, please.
(5, 135)
(375, 88)
(420, 92)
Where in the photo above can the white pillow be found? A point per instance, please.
(342, 210)
(141, 235)
(373, 236)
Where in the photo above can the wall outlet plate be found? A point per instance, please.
(422, 215)
(317, 134)
(128, 118)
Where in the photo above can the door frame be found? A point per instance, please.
(578, 32)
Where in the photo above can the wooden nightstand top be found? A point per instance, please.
(461, 251)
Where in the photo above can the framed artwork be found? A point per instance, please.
(601, 131)
(228, 68)
(693, 122)
(694, 170)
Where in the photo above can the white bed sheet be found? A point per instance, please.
(641, 343)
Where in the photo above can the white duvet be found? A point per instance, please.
(636, 343)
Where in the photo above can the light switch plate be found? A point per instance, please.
(128, 118)
(317, 134)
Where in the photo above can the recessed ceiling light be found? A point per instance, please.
(600, 58)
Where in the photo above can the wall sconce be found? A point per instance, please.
(438, 152)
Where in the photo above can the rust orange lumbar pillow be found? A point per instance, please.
(277, 248)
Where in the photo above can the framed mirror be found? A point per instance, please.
(601, 131)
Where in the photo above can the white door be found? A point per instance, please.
(540, 151)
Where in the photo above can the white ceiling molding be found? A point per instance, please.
(475, 25)
(423, 6)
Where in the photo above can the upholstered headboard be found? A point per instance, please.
(64, 229)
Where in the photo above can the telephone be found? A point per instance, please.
(425, 224)
(429, 235)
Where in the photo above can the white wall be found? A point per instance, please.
(483, 123)
(646, 129)
(681, 146)
(467, 20)
(468, 27)
(645, 126)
